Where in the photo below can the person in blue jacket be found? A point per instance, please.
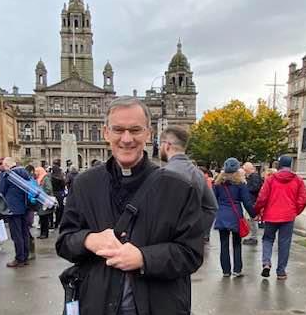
(16, 200)
(230, 188)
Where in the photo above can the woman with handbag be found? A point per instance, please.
(44, 181)
(231, 190)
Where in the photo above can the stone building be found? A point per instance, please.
(296, 102)
(76, 105)
(9, 145)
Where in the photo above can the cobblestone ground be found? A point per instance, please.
(35, 290)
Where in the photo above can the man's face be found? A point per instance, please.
(127, 133)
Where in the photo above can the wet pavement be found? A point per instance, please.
(36, 290)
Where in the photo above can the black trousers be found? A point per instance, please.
(44, 224)
(225, 258)
(20, 235)
(60, 209)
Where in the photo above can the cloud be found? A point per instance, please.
(223, 40)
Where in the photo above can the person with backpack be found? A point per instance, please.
(43, 180)
(16, 200)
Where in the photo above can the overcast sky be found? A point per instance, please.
(233, 46)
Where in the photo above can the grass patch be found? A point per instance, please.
(301, 242)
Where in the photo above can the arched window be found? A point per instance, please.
(57, 132)
(71, 48)
(87, 23)
(108, 81)
(76, 49)
(40, 79)
(64, 22)
(94, 133)
(76, 23)
(82, 48)
(181, 80)
(173, 80)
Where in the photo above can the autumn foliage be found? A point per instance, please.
(236, 130)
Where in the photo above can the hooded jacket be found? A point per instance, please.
(282, 197)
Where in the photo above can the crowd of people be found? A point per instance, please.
(23, 206)
(136, 231)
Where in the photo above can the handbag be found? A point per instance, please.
(243, 225)
(72, 277)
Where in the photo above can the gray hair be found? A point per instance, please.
(128, 101)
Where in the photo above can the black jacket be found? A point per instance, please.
(254, 183)
(168, 231)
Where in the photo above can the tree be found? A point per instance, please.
(238, 131)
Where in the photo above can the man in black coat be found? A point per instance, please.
(146, 270)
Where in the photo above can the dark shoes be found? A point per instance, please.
(16, 264)
(266, 271)
(250, 241)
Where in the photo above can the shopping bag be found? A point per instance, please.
(3, 233)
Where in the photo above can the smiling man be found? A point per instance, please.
(152, 259)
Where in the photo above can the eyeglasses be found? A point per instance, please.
(133, 130)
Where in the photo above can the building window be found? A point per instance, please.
(181, 80)
(57, 107)
(57, 132)
(87, 23)
(42, 135)
(64, 22)
(82, 48)
(28, 152)
(76, 23)
(27, 132)
(76, 49)
(43, 153)
(71, 49)
(180, 109)
(94, 133)
(41, 108)
(75, 107)
(78, 133)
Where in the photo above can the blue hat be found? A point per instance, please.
(231, 165)
(285, 161)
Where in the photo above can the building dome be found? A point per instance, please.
(40, 66)
(76, 6)
(108, 67)
(179, 61)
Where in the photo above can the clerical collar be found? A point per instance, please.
(126, 171)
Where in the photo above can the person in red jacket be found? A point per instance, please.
(281, 199)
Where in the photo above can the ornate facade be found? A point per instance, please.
(76, 105)
(296, 103)
(9, 145)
